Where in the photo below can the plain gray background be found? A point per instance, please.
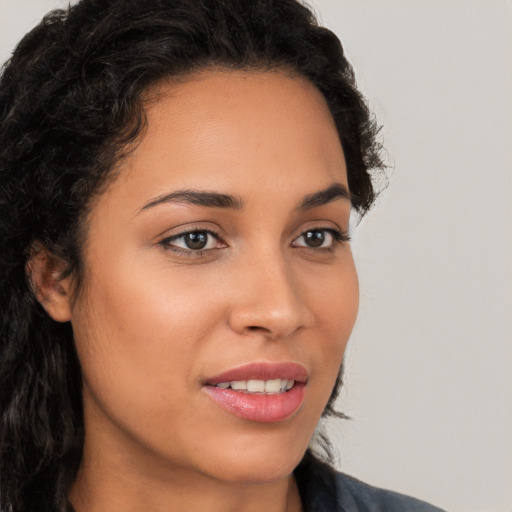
(428, 378)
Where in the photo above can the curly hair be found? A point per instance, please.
(71, 102)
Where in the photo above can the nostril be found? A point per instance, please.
(257, 328)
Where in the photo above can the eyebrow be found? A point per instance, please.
(210, 199)
(331, 193)
(198, 198)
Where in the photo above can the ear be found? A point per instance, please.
(45, 271)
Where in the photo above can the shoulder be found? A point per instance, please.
(323, 489)
(353, 495)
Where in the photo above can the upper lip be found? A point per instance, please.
(262, 371)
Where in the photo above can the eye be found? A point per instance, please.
(196, 240)
(320, 238)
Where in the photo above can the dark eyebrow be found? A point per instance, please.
(218, 200)
(331, 193)
(198, 198)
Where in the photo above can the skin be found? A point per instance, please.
(153, 322)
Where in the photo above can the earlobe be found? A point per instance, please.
(45, 271)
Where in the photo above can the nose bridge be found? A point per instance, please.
(268, 297)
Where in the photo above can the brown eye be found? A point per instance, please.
(319, 238)
(314, 238)
(193, 241)
(196, 240)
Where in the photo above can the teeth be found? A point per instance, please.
(239, 384)
(256, 386)
(272, 386)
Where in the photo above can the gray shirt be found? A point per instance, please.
(323, 489)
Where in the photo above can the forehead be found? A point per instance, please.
(235, 132)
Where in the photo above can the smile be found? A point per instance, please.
(262, 392)
(268, 387)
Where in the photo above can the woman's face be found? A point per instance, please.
(216, 257)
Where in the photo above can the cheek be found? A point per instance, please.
(138, 336)
(335, 299)
(337, 303)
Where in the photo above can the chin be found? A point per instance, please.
(258, 463)
(257, 474)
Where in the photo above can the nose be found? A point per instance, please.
(268, 300)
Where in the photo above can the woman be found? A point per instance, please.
(177, 283)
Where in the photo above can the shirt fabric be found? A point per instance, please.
(323, 489)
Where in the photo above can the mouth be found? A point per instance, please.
(255, 386)
(261, 392)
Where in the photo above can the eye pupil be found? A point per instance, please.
(196, 240)
(314, 238)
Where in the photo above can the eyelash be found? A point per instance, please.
(166, 243)
(337, 235)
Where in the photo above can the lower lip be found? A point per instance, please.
(259, 407)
